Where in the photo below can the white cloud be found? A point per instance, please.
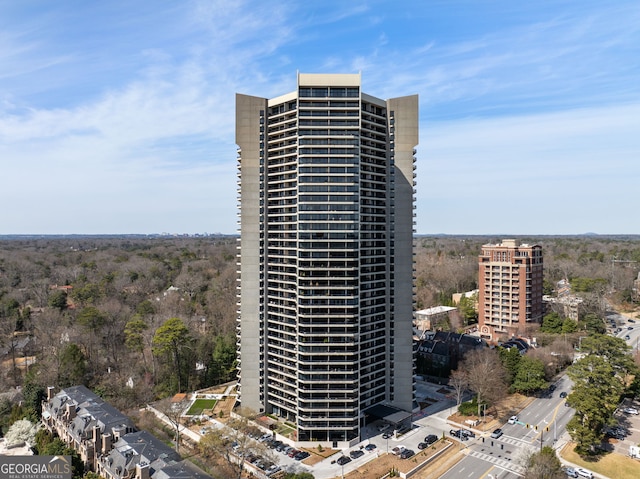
(139, 126)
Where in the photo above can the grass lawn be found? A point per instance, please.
(284, 429)
(200, 405)
(610, 465)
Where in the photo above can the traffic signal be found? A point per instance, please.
(546, 428)
(527, 426)
(536, 427)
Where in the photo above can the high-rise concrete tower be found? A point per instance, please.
(326, 206)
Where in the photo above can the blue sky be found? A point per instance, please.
(118, 116)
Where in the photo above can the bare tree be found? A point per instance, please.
(231, 445)
(173, 411)
(459, 382)
(543, 465)
(485, 374)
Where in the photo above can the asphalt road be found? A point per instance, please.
(542, 423)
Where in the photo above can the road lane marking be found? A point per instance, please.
(541, 428)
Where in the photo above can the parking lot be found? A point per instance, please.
(628, 431)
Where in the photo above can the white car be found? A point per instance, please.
(513, 420)
(584, 473)
(570, 472)
(630, 410)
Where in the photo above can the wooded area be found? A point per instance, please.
(139, 318)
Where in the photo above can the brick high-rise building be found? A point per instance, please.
(510, 288)
(326, 177)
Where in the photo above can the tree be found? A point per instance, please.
(58, 300)
(73, 366)
(593, 324)
(596, 392)
(459, 382)
(552, 323)
(615, 350)
(20, 431)
(569, 326)
(232, 444)
(530, 375)
(544, 465)
(486, 375)
(133, 333)
(467, 309)
(33, 394)
(510, 358)
(224, 357)
(91, 318)
(171, 340)
(173, 411)
(47, 445)
(11, 322)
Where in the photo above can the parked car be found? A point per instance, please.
(431, 438)
(387, 435)
(627, 337)
(513, 420)
(397, 450)
(630, 410)
(423, 445)
(496, 433)
(406, 454)
(570, 472)
(343, 460)
(356, 454)
(369, 447)
(302, 455)
(272, 470)
(631, 320)
(615, 432)
(584, 473)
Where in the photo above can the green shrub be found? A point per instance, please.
(469, 408)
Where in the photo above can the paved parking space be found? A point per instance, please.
(631, 423)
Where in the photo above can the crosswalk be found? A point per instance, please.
(526, 443)
(498, 460)
(506, 452)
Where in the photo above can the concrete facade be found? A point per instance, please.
(326, 195)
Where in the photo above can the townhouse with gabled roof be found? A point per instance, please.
(84, 421)
(107, 441)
